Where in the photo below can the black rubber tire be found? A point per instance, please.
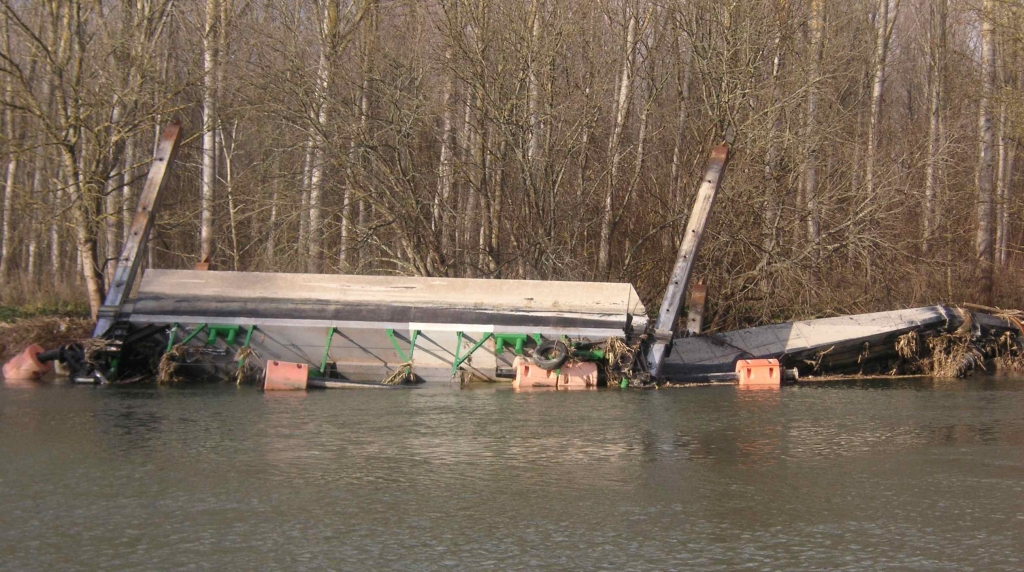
(550, 355)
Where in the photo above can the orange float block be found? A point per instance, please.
(26, 365)
(579, 375)
(284, 376)
(759, 373)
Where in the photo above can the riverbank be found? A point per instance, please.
(47, 325)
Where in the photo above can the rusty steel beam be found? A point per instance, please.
(138, 233)
(671, 305)
(695, 316)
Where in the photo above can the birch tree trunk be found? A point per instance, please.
(84, 233)
(34, 232)
(356, 155)
(446, 164)
(624, 95)
(55, 247)
(328, 31)
(209, 151)
(111, 191)
(307, 168)
(883, 29)
(772, 169)
(1000, 191)
(498, 184)
(816, 24)
(1004, 245)
(533, 90)
(985, 177)
(463, 201)
(272, 221)
(937, 54)
(8, 199)
(126, 188)
(682, 62)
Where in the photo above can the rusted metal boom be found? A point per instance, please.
(671, 305)
(138, 234)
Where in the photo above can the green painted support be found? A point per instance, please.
(230, 332)
(412, 344)
(248, 339)
(458, 346)
(189, 337)
(170, 339)
(515, 340)
(327, 351)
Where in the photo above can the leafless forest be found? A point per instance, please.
(873, 165)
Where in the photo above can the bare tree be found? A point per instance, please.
(985, 178)
(816, 25)
(623, 98)
(937, 11)
(884, 24)
(209, 149)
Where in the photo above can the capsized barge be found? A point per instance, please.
(316, 330)
(364, 328)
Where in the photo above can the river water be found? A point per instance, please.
(922, 475)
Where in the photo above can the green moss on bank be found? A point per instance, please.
(12, 314)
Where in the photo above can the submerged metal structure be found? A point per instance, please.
(364, 328)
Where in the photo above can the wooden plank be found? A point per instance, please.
(672, 303)
(138, 233)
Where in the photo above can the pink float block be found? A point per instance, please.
(284, 376)
(578, 375)
(759, 373)
(26, 365)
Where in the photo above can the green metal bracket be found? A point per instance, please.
(515, 340)
(458, 346)
(412, 344)
(170, 339)
(248, 339)
(189, 337)
(230, 332)
(327, 350)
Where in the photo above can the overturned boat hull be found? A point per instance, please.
(364, 328)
